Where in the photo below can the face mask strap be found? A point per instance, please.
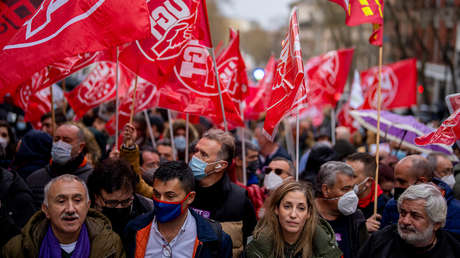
(178, 202)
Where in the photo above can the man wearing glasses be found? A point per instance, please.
(277, 171)
(112, 186)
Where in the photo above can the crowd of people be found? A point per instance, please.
(68, 190)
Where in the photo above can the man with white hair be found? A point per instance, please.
(66, 227)
(419, 231)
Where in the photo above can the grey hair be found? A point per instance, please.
(328, 172)
(226, 141)
(80, 133)
(67, 178)
(435, 204)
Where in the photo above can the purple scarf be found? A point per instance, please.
(50, 247)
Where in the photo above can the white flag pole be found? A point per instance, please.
(116, 102)
(152, 137)
(187, 136)
(171, 134)
(297, 154)
(219, 89)
(243, 146)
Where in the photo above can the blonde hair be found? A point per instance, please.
(270, 225)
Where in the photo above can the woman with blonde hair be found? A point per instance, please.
(291, 226)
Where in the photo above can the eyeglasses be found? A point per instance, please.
(278, 171)
(114, 203)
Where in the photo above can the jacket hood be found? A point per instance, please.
(35, 146)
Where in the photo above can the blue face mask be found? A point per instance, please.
(400, 154)
(180, 142)
(167, 211)
(197, 166)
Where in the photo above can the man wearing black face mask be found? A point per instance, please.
(67, 157)
(415, 169)
(111, 186)
(252, 163)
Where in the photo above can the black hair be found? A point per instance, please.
(146, 148)
(239, 148)
(164, 142)
(176, 169)
(368, 161)
(59, 117)
(111, 175)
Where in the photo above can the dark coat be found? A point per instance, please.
(387, 243)
(390, 214)
(103, 241)
(38, 179)
(368, 211)
(15, 198)
(211, 244)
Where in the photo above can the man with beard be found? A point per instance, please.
(418, 233)
(65, 226)
(67, 157)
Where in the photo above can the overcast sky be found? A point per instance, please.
(269, 13)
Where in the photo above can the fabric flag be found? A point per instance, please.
(365, 11)
(259, 96)
(98, 87)
(288, 77)
(61, 29)
(12, 15)
(232, 70)
(146, 97)
(453, 102)
(447, 133)
(172, 27)
(355, 101)
(399, 82)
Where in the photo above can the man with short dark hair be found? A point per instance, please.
(442, 167)
(149, 161)
(112, 186)
(419, 230)
(337, 202)
(67, 157)
(59, 119)
(216, 196)
(165, 150)
(364, 167)
(269, 149)
(172, 229)
(416, 169)
(279, 170)
(66, 227)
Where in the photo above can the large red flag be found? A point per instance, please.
(98, 87)
(365, 11)
(232, 70)
(61, 29)
(399, 82)
(447, 133)
(12, 15)
(288, 77)
(39, 104)
(259, 99)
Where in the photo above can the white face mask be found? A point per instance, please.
(272, 181)
(347, 203)
(449, 180)
(61, 152)
(3, 142)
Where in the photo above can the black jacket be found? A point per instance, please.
(368, 211)
(386, 243)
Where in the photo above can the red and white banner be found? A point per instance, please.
(448, 133)
(399, 82)
(232, 70)
(98, 87)
(13, 14)
(61, 29)
(289, 76)
(453, 102)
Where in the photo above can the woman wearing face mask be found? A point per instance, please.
(7, 144)
(291, 226)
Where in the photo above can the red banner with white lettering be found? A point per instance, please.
(289, 76)
(98, 87)
(447, 133)
(61, 29)
(399, 82)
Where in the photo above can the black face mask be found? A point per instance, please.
(119, 217)
(252, 167)
(398, 191)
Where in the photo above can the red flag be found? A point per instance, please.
(365, 11)
(12, 15)
(61, 29)
(326, 75)
(232, 70)
(288, 77)
(447, 133)
(258, 101)
(98, 87)
(39, 104)
(172, 27)
(399, 82)
(453, 102)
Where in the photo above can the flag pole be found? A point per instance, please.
(243, 146)
(116, 103)
(133, 105)
(171, 134)
(64, 107)
(187, 136)
(219, 89)
(379, 106)
(147, 120)
(297, 154)
(333, 125)
(53, 116)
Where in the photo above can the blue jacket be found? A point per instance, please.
(390, 213)
(213, 242)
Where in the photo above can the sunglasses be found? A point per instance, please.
(278, 171)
